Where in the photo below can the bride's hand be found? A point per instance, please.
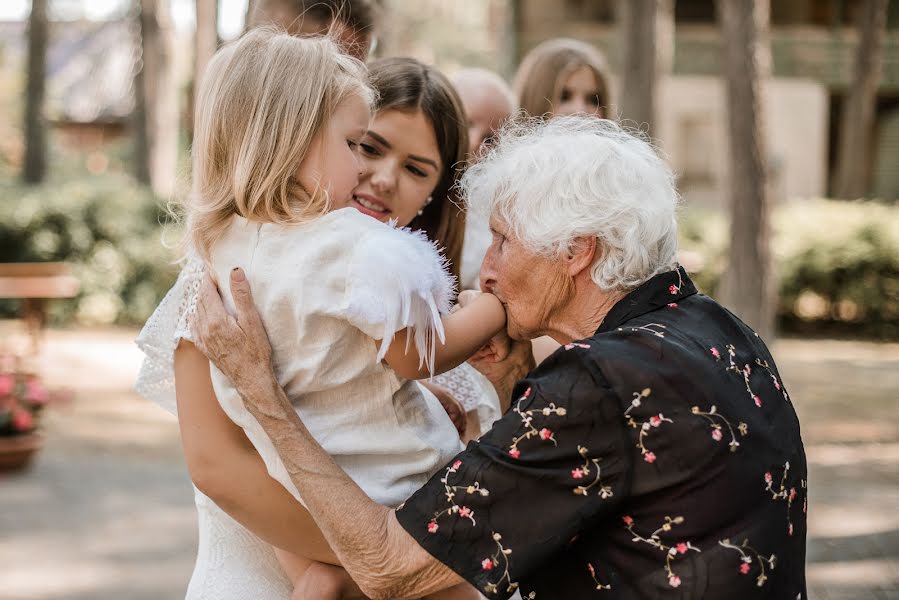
(237, 345)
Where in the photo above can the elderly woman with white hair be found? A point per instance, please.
(656, 454)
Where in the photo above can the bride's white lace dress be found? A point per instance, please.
(404, 436)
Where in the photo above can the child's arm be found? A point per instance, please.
(466, 330)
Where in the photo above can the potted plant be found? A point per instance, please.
(23, 397)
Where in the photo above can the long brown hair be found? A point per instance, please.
(543, 68)
(407, 84)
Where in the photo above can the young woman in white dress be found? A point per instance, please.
(327, 283)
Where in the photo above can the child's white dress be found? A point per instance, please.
(324, 290)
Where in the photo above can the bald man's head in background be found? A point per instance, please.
(488, 102)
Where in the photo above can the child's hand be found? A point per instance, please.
(454, 409)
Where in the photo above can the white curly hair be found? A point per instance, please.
(552, 182)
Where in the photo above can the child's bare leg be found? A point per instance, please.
(463, 591)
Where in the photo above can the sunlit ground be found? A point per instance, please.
(106, 512)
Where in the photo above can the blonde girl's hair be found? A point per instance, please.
(262, 101)
(545, 68)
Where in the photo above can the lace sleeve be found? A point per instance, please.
(161, 333)
(473, 391)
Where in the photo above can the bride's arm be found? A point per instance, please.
(226, 467)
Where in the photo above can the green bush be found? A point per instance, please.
(837, 264)
(109, 228)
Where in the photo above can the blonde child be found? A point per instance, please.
(354, 308)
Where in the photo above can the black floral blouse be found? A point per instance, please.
(660, 458)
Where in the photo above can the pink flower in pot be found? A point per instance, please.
(7, 384)
(22, 420)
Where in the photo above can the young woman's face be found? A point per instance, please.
(578, 93)
(332, 162)
(401, 166)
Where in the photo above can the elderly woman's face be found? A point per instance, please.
(526, 283)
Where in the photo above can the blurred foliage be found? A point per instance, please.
(837, 264)
(109, 228)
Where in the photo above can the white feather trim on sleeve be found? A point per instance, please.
(398, 279)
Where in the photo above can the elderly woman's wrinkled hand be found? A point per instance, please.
(237, 345)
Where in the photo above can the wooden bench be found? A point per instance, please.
(34, 284)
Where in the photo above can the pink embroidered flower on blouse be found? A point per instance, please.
(758, 401)
(457, 464)
(768, 477)
(681, 548)
(674, 581)
(577, 473)
(464, 512)
(433, 527)
(655, 420)
(792, 494)
(673, 289)
(487, 564)
(672, 305)
(715, 352)
(627, 520)
(790, 529)
(744, 568)
(545, 434)
(574, 345)
(649, 457)
(716, 435)
(514, 452)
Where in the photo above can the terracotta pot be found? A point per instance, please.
(17, 451)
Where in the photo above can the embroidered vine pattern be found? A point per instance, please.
(777, 385)
(500, 559)
(782, 493)
(645, 427)
(656, 329)
(748, 554)
(599, 585)
(744, 372)
(585, 470)
(713, 418)
(675, 289)
(655, 540)
(451, 490)
(527, 420)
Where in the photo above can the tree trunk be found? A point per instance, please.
(156, 100)
(249, 17)
(35, 167)
(748, 286)
(857, 120)
(647, 27)
(207, 37)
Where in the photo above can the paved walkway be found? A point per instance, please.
(106, 512)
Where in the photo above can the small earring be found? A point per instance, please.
(421, 211)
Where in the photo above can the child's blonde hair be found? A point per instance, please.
(262, 100)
